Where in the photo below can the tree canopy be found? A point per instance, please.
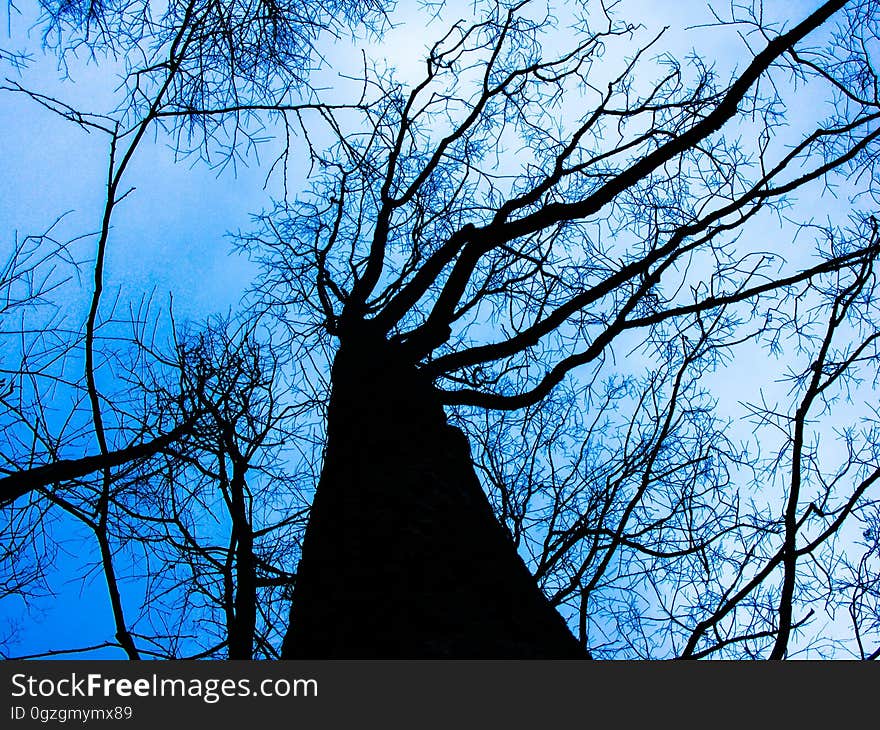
(639, 281)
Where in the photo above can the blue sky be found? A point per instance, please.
(170, 235)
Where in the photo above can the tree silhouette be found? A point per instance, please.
(501, 305)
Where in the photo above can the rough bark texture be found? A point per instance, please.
(403, 556)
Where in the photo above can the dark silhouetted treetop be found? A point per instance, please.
(566, 345)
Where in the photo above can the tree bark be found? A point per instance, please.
(403, 557)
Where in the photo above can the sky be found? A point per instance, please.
(171, 235)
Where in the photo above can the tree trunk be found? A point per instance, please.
(403, 557)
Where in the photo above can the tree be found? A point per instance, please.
(473, 256)
(180, 75)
